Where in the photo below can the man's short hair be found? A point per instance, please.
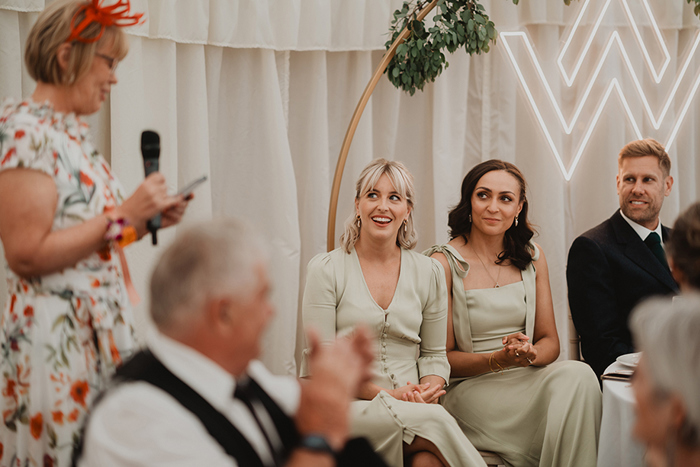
(647, 147)
(205, 261)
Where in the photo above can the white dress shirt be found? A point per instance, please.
(642, 231)
(138, 424)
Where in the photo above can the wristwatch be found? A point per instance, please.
(317, 443)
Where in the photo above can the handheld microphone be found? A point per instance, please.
(150, 149)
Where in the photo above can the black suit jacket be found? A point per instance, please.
(609, 271)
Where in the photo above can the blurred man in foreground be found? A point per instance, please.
(197, 396)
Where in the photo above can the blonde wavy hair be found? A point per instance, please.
(402, 180)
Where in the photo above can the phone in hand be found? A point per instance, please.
(187, 190)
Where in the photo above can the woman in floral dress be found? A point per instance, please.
(63, 221)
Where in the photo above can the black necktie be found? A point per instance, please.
(246, 394)
(653, 241)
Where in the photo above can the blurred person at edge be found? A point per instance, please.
(63, 221)
(667, 381)
(683, 250)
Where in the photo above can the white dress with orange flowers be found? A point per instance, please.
(63, 333)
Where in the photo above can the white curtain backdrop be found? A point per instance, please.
(257, 94)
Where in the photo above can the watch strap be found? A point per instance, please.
(317, 443)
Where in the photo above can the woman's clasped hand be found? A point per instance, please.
(421, 393)
(518, 351)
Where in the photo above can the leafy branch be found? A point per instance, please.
(696, 9)
(457, 23)
(419, 59)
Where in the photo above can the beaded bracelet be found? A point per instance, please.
(119, 231)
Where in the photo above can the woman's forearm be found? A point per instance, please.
(464, 364)
(58, 249)
(434, 380)
(547, 351)
(369, 391)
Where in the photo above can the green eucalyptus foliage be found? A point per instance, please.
(696, 10)
(457, 23)
(420, 58)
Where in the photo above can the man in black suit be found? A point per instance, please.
(621, 261)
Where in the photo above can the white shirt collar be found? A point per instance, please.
(214, 383)
(642, 231)
(199, 372)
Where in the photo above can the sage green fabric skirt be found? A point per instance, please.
(534, 416)
(387, 423)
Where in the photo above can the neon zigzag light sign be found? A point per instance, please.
(614, 83)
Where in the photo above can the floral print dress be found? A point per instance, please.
(62, 334)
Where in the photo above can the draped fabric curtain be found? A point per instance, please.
(257, 94)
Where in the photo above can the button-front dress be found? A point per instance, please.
(410, 338)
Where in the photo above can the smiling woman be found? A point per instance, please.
(64, 219)
(375, 279)
(501, 335)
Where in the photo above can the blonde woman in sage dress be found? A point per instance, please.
(506, 392)
(375, 279)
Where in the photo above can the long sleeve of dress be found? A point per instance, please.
(319, 303)
(433, 332)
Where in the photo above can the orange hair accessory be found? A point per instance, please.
(112, 15)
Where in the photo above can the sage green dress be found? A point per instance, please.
(546, 416)
(410, 343)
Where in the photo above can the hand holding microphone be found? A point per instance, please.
(150, 150)
(144, 207)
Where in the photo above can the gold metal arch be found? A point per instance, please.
(345, 148)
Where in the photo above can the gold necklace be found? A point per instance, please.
(487, 271)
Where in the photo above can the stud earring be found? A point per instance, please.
(516, 221)
(470, 218)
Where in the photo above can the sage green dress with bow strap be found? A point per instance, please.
(533, 416)
(410, 343)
